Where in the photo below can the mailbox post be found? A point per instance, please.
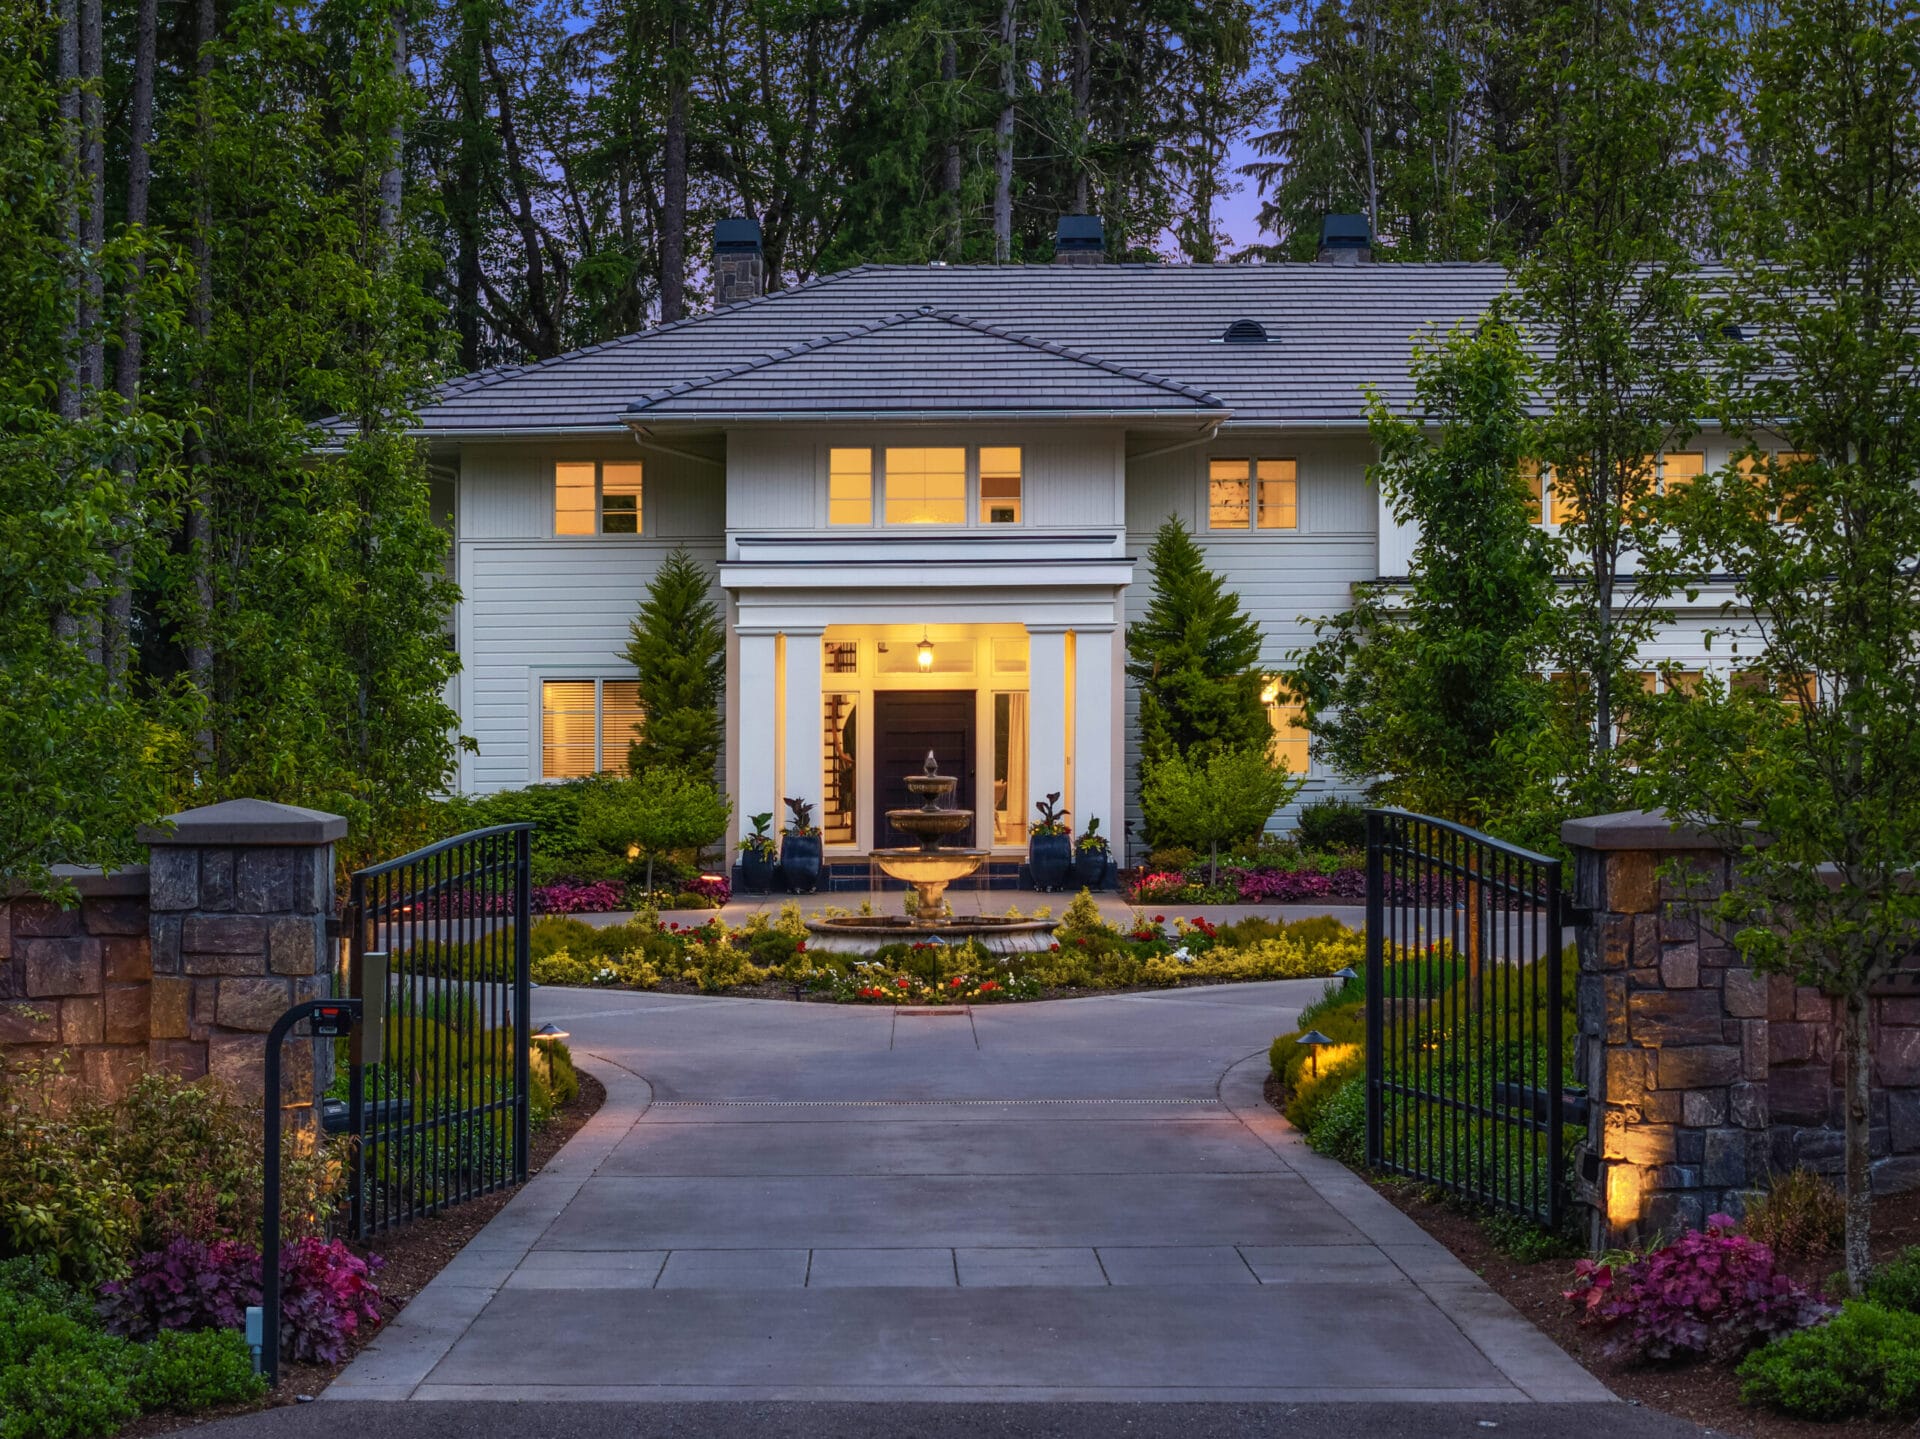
(332, 1018)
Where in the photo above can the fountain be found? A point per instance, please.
(930, 867)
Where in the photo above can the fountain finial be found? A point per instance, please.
(932, 766)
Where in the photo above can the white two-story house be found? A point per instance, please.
(926, 494)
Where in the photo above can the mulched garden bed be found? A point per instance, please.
(1704, 1394)
(412, 1255)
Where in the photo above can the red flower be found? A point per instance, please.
(900, 984)
(988, 986)
(1159, 919)
(1054, 947)
(955, 983)
(801, 948)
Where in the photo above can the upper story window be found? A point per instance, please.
(1253, 494)
(1666, 473)
(924, 485)
(596, 497)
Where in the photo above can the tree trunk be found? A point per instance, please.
(1859, 1041)
(126, 371)
(200, 458)
(93, 221)
(390, 177)
(950, 172)
(1003, 142)
(673, 196)
(1082, 90)
(68, 70)
(466, 190)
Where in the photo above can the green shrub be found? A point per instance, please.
(187, 1372)
(1800, 1216)
(1896, 1284)
(61, 1191)
(1865, 1361)
(1338, 1125)
(1292, 1061)
(566, 969)
(1331, 824)
(74, 1382)
(30, 1279)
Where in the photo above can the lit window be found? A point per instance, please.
(849, 487)
(926, 486)
(1772, 478)
(1533, 479)
(1228, 505)
(1565, 490)
(596, 498)
(1679, 471)
(586, 726)
(1279, 494)
(1287, 718)
(999, 485)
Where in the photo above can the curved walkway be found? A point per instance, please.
(1076, 1200)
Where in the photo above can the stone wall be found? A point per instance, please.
(182, 965)
(1704, 1077)
(74, 982)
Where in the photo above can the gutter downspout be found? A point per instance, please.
(643, 437)
(1207, 436)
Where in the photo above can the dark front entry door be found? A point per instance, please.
(908, 723)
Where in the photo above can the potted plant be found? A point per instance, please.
(800, 849)
(757, 855)
(1050, 845)
(1090, 854)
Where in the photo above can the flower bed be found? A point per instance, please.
(782, 956)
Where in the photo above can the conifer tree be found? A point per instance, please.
(1195, 657)
(679, 649)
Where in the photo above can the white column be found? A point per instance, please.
(801, 772)
(1093, 702)
(758, 789)
(1046, 715)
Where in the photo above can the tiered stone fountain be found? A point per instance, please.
(930, 868)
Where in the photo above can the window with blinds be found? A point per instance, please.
(1253, 494)
(586, 726)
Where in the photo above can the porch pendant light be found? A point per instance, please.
(924, 652)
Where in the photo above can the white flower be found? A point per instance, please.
(1182, 955)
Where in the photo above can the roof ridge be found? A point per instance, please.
(922, 312)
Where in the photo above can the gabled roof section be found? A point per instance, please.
(924, 361)
(1332, 330)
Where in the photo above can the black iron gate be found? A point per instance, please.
(443, 1116)
(1466, 1027)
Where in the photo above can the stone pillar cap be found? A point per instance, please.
(1636, 829)
(246, 821)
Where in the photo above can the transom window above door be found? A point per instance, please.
(1253, 495)
(924, 485)
(596, 497)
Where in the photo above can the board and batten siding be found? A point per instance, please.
(537, 607)
(777, 478)
(1284, 578)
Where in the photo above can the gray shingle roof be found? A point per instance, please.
(1125, 337)
(918, 361)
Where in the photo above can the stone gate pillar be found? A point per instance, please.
(1673, 1032)
(240, 896)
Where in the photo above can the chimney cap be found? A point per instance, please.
(1345, 232)
(1080, 234)
(736, 236)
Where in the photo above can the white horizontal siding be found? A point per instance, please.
(544, 609)
(506, 491)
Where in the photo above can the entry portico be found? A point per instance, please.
(1026, 627)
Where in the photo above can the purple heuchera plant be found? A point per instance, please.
(187, 1285)
(1711, 1292)
(326, 1293)
(601, 897)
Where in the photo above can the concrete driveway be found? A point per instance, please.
(1082, 1200)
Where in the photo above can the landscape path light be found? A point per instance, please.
(1313, 1038)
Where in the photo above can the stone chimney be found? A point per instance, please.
(1345, 240)
(739, 267)
(1080, 240)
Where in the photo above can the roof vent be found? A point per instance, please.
(1245, 332)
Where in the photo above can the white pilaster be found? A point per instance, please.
(757, 775)
(801, 772)
(1046, 714)
(1093, 758)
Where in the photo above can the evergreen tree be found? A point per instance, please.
(1195, 656)
(679, 650)
(1418, 689)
